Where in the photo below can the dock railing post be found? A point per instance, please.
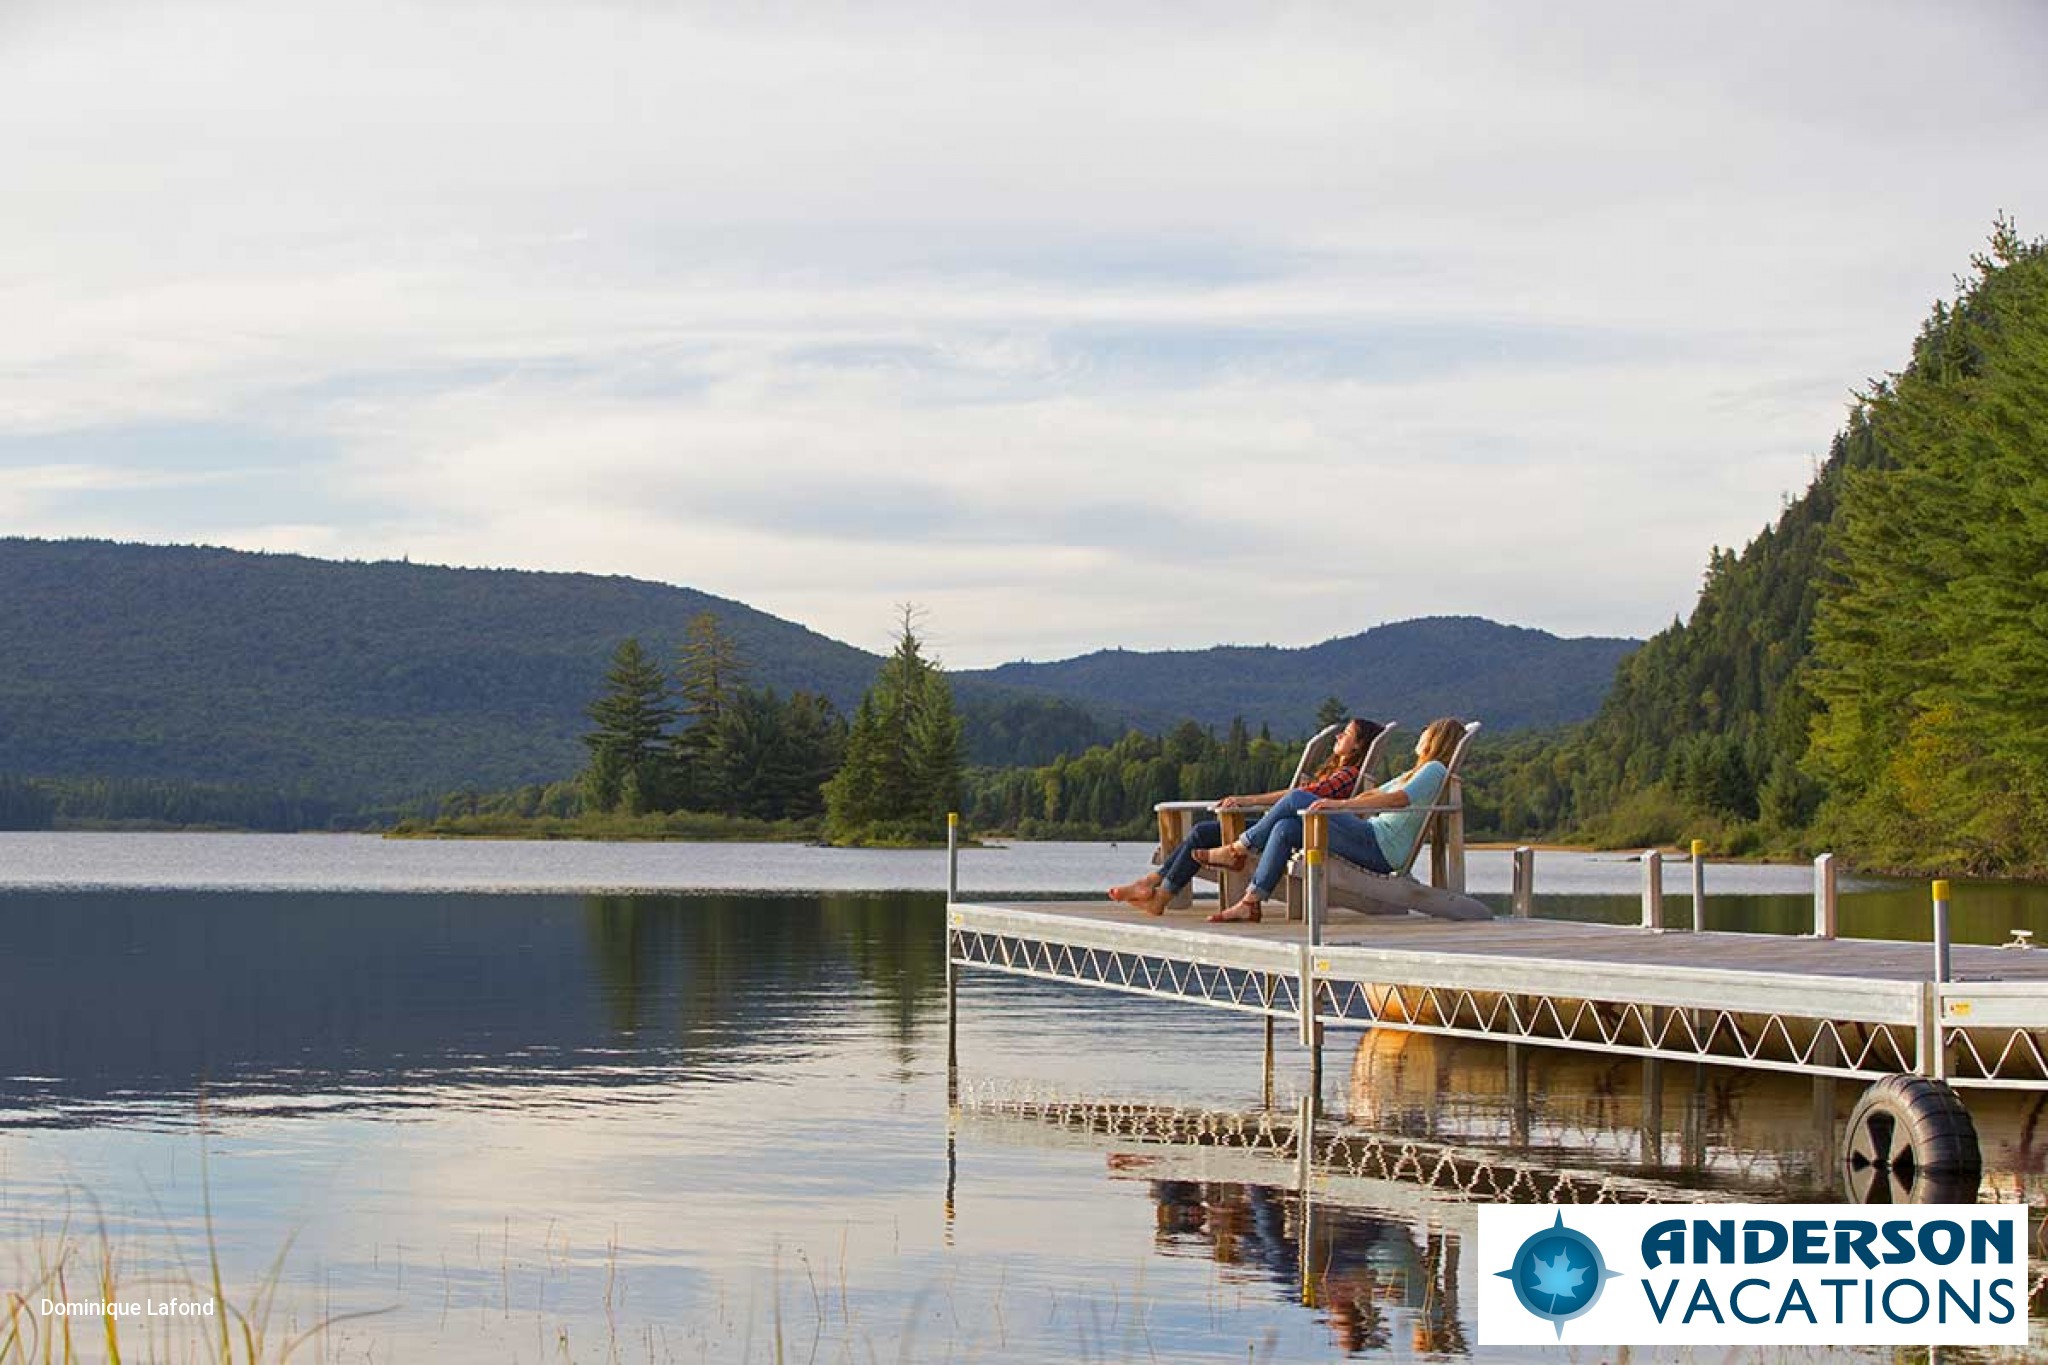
(1826, 908)
(1941, 953)
(1315, 843)
(1699, 886)
(1653, 890)
(952, 856)
(1525, 881)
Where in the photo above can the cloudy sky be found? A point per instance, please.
(1114, 325)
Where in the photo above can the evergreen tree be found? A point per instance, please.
(629, 761)
(709, 670)
(903, 753)
(1330, 712)
(1931, 645)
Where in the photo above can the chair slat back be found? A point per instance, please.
(1371, 760)
(1435, 820)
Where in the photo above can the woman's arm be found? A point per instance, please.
(1397, 799)
(1393, 796)
(1262, 799)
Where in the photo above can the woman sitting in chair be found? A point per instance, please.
(1378, 842)
(1337, 777)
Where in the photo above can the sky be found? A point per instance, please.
(1081, 326)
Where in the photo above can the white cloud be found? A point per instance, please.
(1085, 329)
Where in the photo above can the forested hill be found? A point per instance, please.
(345, 679)
(1869, 675)
(372, 681)
(1508, 676)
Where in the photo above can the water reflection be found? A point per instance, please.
(1371, 1276)
(509, 1103)
(126, 1005)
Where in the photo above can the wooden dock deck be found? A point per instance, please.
(1826, 1007)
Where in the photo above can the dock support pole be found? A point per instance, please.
(1826, 909)
(1941, 954)
(1699, 886)
(952, 972)
(1314, 1259)
(1269, 1052)
(1518, 1094)
(1652, 1150)
(1315, 834)
(1653, 890)
(1525, 881)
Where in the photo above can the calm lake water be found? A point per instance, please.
(549, 1102)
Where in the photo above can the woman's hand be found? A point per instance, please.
(1327, 806)
(1230, 803)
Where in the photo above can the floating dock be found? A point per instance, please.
(1847, 1008)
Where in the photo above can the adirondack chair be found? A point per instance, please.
(1351, 887)
(1176, 818)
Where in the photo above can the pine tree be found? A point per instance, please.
(1931, 646)
(903, 764)
(629, 763)
(709, 672)
(1330, 712)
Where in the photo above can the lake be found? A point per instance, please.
(624, 1102)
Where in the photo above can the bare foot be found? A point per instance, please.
(1131, 891)
(1246, 911)
(1152, 900)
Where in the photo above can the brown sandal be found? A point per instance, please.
(1246, 911)
(1230, 857)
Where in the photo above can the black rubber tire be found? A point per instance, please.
(1910, 1141)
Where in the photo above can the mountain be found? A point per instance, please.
(357, 679)
(1508, 676)
(372, 681)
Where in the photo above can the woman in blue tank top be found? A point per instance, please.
(1374, 829)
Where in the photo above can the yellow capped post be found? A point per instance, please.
(1941, 953)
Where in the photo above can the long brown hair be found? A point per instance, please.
(1332, 762)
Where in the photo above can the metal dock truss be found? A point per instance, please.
(1813, 1024)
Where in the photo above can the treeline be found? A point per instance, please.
(146, 803)
(699, 739)
(1109, 790)
(693, 752)
(1870, 675)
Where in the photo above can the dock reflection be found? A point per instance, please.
(1362, 1212)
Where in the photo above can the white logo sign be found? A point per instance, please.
(1753, 1274)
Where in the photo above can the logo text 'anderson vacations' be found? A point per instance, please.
(1753, 1274)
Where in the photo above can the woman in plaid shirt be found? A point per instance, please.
(1333, 781)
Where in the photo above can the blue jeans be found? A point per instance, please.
(1351, 839)
(1179, 868)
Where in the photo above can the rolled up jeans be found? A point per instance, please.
(1351, 838)
(1179, 867)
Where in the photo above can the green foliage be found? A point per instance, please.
(1109, 790)
(366, 683)
(1512, 678)
(146, 803)
(1931, 646)
(25, 805)
(1870, 674)
(902, 769)
(630, 765)
(1330, 712)
(746, 753)
(708, 669)
(1006, 728)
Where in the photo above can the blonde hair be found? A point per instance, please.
(1439, 741)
